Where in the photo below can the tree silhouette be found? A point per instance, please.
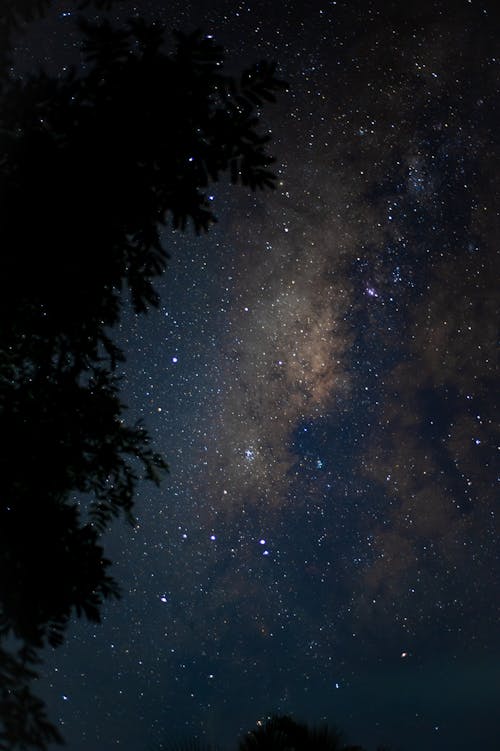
(94, 164)
(283, 733)
(23, 716)
(278, 733)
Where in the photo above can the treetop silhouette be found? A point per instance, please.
(283, 733)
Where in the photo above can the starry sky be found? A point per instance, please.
(320, 376)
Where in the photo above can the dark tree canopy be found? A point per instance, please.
(93, 166)
(283, 733)
(279, 733)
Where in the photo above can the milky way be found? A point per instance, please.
(321, 378)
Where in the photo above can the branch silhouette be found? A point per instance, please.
(95, 165)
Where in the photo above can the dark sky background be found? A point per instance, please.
(321, 378)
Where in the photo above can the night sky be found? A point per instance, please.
(321, 378)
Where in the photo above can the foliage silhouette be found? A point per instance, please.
(94, 164)
(279, 733)
(24, 719)
(283, 733)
